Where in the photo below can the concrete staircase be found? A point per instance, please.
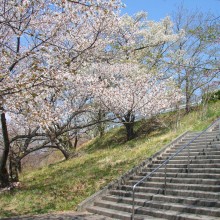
(189, 196)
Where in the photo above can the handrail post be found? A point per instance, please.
(133, 191)
(206, 138)
(219, 127)
(165, 179)
(218, 131)
(188, 170)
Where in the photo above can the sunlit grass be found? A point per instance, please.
(63, 185)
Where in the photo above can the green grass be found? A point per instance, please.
(65, 184)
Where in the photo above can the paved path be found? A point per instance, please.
(61, 216)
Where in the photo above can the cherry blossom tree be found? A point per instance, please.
(128, 90)
(147, 42)
(195, 57)
(55, 124)
(137, 42)
(39, 40)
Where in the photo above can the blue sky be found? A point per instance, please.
(158, 9)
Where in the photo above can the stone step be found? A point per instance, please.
(195, 149)
(155, 212)
(201, 161)
(174, 192)
(200, 147)
(198, 142)
(179, 165)
(110, 213)
(192, 157)
(180, 186)
(217, 129)
(184, 175)
(184, 153)
(170, 215)
(196, 145)
(200, 138)
(196, 133)
(119, 214)
(180, 180)
(184, 170)
(192, 208)
(164, 198)
(212, 135)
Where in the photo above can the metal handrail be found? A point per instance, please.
(165, 163)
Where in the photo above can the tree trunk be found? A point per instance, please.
(13, 168)
(75, 142)
(101, 131)
(65, 153)
(187, 105)
(19, 166)
(205, 100)
(128, 122)
(130, 130)
(101, 125)
(4, 176)
(187, 94)
(177, 117)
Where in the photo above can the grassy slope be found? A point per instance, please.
(63, 185)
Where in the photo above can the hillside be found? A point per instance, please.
(65, 184)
